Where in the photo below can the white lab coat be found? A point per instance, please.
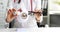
(25, 6)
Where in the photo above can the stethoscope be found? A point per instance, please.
(27, 0)
(31, 5)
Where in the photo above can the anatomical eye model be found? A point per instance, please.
(24, 15)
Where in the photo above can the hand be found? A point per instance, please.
(10, 15)
(37, 14)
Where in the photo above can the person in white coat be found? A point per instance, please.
(18, 11)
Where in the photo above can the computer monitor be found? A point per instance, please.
(54, 20)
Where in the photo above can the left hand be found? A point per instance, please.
(37, 14)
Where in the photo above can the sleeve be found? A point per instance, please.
(11, 24)
(9, 6)
(38, 4)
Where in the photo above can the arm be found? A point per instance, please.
(10, 11)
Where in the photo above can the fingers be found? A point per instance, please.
(10, 15)
(13, 10)
(9, 11)
(36, 10)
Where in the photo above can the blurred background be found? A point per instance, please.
(54, 13)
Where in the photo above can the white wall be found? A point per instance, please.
(3, 6)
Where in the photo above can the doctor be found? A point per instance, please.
(21, 17)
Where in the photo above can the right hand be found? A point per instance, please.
(10, 15)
